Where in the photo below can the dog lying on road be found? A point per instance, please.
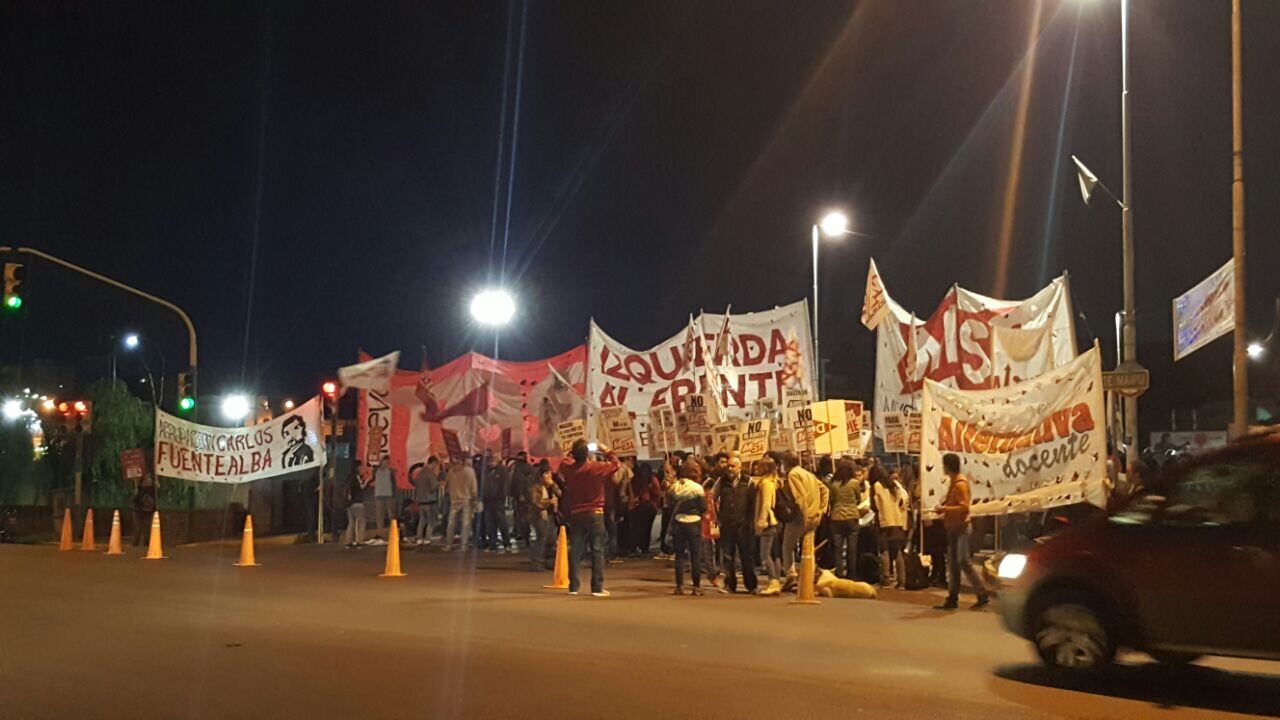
(828, 585)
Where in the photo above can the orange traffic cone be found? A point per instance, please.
(66, 543)
(246, 544)
(113, 545)
(393, 553)
(804, 591)
(154, 550)
(560, 580)
(86, 542)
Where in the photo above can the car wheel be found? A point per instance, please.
(1072, 634)
(1173, 658)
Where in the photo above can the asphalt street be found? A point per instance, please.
(314, 633)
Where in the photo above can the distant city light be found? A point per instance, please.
(493, 307)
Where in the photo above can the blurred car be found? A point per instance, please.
(1189, 567)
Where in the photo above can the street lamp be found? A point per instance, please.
(236, 407)
(1256, 350)
(834, 224)
(131, 341)
(288, 404)
(493, 307)
(12, 409)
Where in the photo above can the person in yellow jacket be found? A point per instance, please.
(766, 523)
(811, 497)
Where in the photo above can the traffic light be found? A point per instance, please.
(12, 299)
(329, 389)
(76, 416)
(186, 400)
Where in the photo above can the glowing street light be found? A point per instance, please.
(288, 404)
(236, 407)
(131, 341)
(835, 224)
(12, 409)
(493, 307)
(1256, 350)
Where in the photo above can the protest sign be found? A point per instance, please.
(895, 432)
(133, 464)
(726, 437)
(617, 430)
(755, 440)
(829, 424)
(1040, 441)
(235, 455)
(914, 429)
(1204, 313)
(569, 432)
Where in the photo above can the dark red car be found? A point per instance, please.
(1190, 567)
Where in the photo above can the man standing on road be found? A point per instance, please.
(425, 490)
(524, 477)
(493, 493)
(955, 518)
(584, 489)
(460, 486)
(737, 502)
(543, 497)
(384, 488)
(811, 497)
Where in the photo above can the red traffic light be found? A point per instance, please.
(330, 389)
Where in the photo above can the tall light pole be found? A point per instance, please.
(1239, 355)
(1129, 333)
(833, 225)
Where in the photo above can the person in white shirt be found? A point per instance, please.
(688, 502)
(892, 504)
(460, 486)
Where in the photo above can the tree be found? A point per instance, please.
(16, 458)
(120, 421)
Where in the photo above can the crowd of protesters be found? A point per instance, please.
(723, 523)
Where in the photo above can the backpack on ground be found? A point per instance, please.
(917, 572)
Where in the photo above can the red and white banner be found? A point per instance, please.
(1038, 444)
(767, 352)
(372, 374)
(477, 398)
(956, 346)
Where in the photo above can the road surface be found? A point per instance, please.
(313, 633)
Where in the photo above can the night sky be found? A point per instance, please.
(310, 178)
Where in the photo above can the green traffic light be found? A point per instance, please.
(13, 302)
(186, 403)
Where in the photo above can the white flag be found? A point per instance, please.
(875, 304)
(372, 374)
(1087, 179)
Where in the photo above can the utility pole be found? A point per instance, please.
(1239, 360)
(1129, 330)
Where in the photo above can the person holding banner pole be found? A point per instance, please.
(584, 495)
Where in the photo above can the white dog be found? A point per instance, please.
(828, 585)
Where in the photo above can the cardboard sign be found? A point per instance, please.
(914, 425)
(667, 436)
(795, 397)
(755, 440)
(829, 426)
(567, 433)
(895, 432)
(618, 430)
(726, 437)
(133, 464)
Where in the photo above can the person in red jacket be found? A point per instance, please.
(583, 502)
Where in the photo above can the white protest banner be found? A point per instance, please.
(767, 352)
(617, 430)
(235, 455)
(954, 346)
(755, 440)
(372, 374)
(895, 432)
(569, 432)
(726, 437)
(1204, 313)
(1037, 444)
(875, 303)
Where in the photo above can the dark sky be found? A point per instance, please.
(318, 177)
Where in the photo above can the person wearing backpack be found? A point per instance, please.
(810, 498)
(766, 521)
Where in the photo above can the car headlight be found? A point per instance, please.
(1011, 566)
